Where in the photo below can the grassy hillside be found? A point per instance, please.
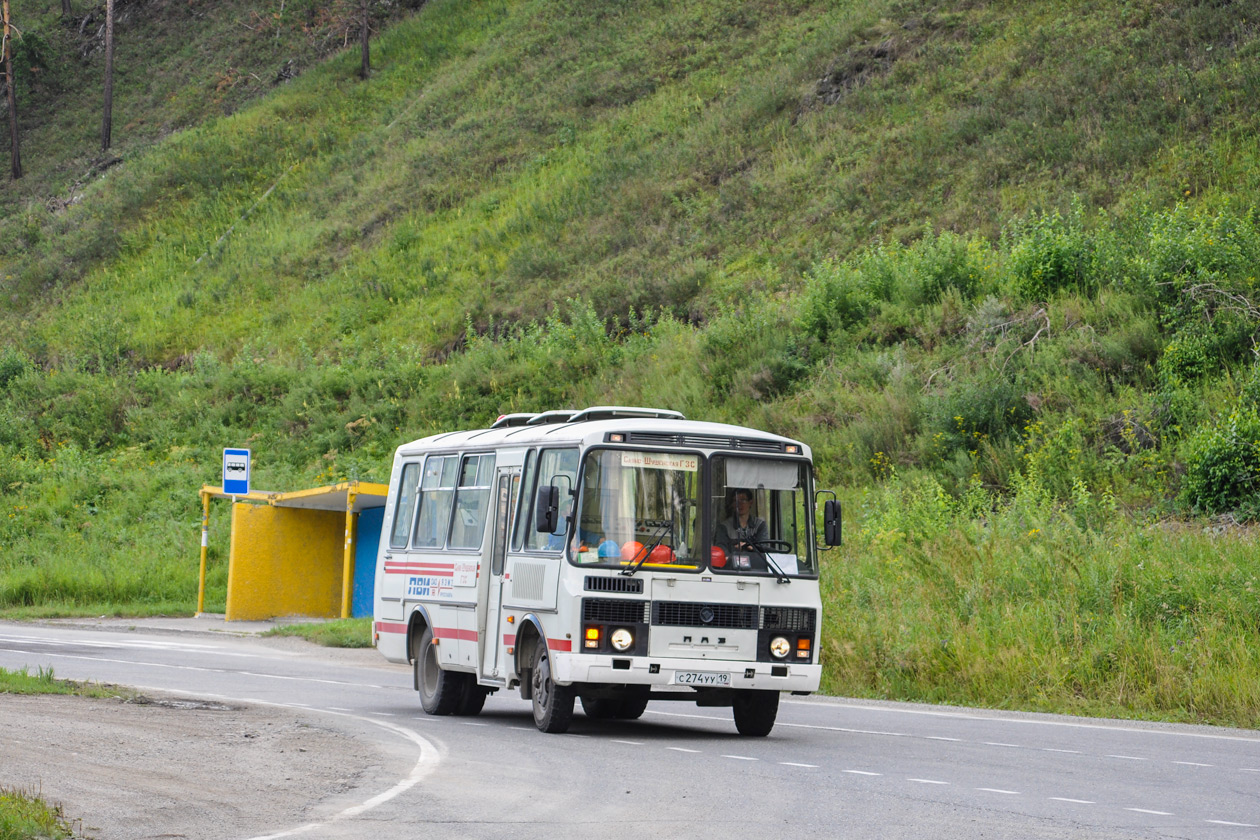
(996, 263)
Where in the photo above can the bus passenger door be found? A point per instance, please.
(492, 581)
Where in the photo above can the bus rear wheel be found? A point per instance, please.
(755, 712)
(553, 704)
(441, 692)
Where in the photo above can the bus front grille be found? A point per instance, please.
(613, 584)
(614, 611)
(731, 616)
(787, 618)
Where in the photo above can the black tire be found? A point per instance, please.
(440, 691)
(601, 708)
(553, 704)
(755, 712)
(473, 699)
(633, 704)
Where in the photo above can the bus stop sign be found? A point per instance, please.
(236, 472)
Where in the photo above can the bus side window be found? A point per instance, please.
(437, 486)
(524, 504)
(471, 501)
(404, 505)
(555, 466)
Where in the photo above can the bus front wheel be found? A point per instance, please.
(440, 691)
(755, 712)
(553, 704)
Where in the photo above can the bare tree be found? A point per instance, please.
(8, 83)
(365, 28)
(107, 121)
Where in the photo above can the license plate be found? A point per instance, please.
(701, 678)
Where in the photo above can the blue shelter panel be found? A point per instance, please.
(369, 540)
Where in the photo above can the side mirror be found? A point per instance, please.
(547, 509)
(831, 522)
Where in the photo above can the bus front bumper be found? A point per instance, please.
(683, 675)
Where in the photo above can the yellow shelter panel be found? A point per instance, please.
(284, 561)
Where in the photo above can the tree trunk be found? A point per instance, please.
(66, 11)
(365, 69)
(107, 121)
(8, 83)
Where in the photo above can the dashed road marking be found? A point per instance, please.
(1149, 811)
(1237, 824)
(928, 781)
(794, 764)
(470, 723)
(999, 790)
(941, 738)
(1192, 764)
(384, 714)
(861, 772)
(1125, 757)
(631, 743)
(1000, 744)
(1073, 801)
(1052, 749)
(682, 749)
(742, 757)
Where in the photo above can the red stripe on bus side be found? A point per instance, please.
(453, 633)
(560, 644)
(390, 627)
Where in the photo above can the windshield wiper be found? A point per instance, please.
(762, 546)
(666, 525)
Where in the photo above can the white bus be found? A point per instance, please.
(612, 556)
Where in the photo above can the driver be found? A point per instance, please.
(742, 529)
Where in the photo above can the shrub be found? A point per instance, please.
(1048, 254)
(1223, 466)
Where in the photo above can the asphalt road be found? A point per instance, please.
(832, 767)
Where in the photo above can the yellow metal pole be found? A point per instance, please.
(205, 530)
(347, 566)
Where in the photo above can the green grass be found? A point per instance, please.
(24, 815)
(344, 633)
(995, 263)
(43, 681)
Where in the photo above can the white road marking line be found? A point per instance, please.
(999, 790)
(682, 749)
(1239, 825)
(1254, 739)
(927, 781)
(940, 738)
(1149, 811)
(861, 772)
(1125, 757)
(631, 743)
(339, 709)
(470, 723)
(299, 705)
(1192, 764)
(523, 728)
(1052, 749)
(1000, 744)
(742, 757)
(1250, 770)
(384, 714)
(426, 763)
(794, 764)
(1074, 801)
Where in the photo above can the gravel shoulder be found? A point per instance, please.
(170, 767)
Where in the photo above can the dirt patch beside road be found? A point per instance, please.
(177, 768)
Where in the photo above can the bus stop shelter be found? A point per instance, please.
(306, 552)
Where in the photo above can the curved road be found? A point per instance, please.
(832, 768)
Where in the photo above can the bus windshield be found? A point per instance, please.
(762, 516)
(638, 509)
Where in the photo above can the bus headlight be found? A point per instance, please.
(621, 639)
(780, 647)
